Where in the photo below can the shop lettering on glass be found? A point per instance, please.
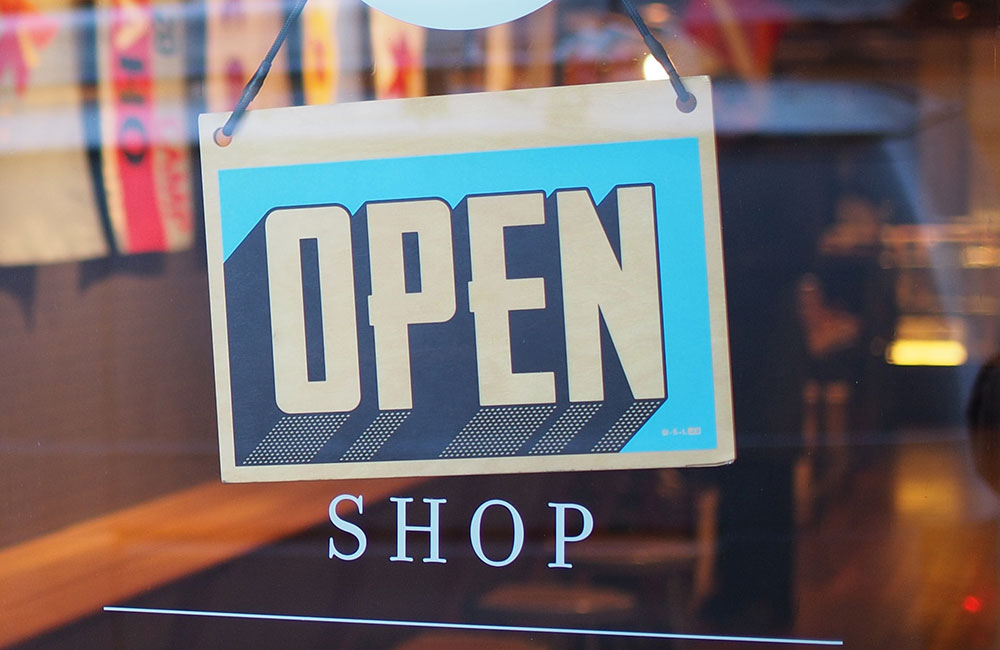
(351, 541)
(443, 311)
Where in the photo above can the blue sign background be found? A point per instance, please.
(686, 420)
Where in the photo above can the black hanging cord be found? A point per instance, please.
(225, 135)
(686, 101)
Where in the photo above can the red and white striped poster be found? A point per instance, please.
(144, 140)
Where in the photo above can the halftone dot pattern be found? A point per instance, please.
(565, 428)
(296, 439)
(626, 426)
(375, 435)
(497, 431)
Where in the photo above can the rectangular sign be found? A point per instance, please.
(520, 281)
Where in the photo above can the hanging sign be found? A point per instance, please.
(519, 281)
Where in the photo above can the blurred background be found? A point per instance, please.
(859, 160)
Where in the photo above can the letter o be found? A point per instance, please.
(475, 532)
(134, 148)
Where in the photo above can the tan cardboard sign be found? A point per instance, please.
(519, 281)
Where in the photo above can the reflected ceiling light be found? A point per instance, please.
(652, 70)
(914, 352)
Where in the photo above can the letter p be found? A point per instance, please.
(562, 538)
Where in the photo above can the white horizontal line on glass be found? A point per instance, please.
(473, 626)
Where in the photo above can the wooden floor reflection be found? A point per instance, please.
(906, 557)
